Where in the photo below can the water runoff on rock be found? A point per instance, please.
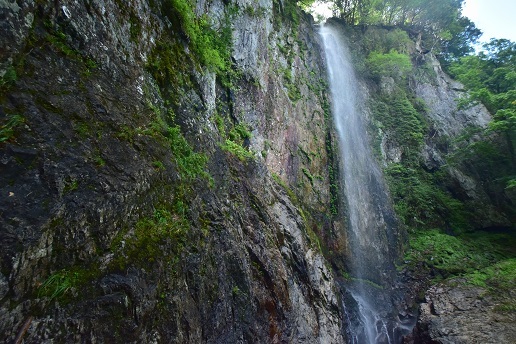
(372, 231)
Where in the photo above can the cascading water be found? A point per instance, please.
(372, 231)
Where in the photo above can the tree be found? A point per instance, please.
(464, 34)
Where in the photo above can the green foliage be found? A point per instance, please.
(9, 78)
(420, 202)
(402, 121)
(58, 284)
(158, 165)
(237, 150)
(504, 121)
(191, 165)
(210, 46)
(234, 144)
(437, 14)
(440, 21)
(288, 10)
(239, 133)
(383, 41)
(308, 175)
(491, 77)
(7, 130)
(483, 258)
(392, 64)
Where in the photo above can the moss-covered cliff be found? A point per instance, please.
(164, 167)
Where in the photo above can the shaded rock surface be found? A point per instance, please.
(462, 314)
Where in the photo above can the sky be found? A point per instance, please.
(496, 18)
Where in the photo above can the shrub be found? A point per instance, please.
(237, 150)
(392, 64)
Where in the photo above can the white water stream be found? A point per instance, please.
(371, 232)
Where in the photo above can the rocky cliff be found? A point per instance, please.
(164, 173)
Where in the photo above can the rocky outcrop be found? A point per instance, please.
(448, 122)
(461, 314)
(126, 216)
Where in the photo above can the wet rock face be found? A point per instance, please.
(462, 314)
(104, 237)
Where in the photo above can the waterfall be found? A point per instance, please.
(371, 225)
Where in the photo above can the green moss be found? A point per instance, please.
(309, 224)
(402, 121)
(171, 67)
(136, 27)
(284, 185)
(333, 176)
(480, 257)
(308, 175)
(235, 139)
(153, 233)
(61, 42)
(190, 164)
(219, 122)
(293, 91)
(158, 165)
(82, 129)
(98, 159)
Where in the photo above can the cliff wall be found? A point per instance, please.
(165, 173)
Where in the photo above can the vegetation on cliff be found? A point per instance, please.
(490, 77)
